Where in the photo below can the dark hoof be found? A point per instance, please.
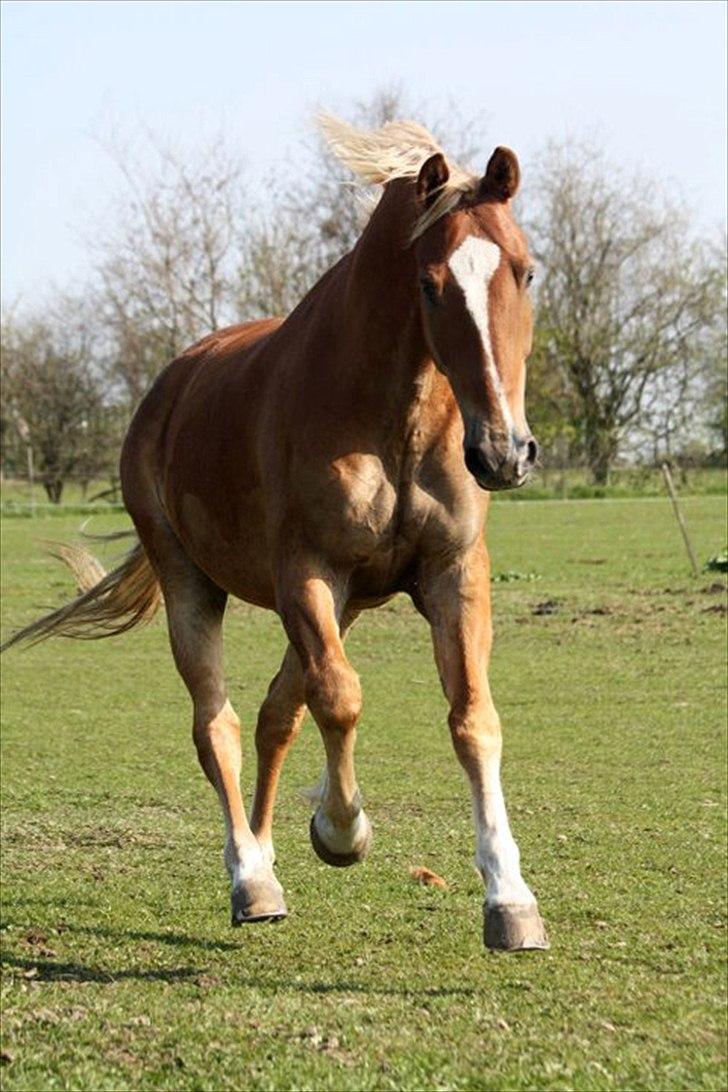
(339, 860)
(514, 929)
(258, 900)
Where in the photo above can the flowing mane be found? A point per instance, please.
(396, 150)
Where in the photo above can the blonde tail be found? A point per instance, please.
(115, 602)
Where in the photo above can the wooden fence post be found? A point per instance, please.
(679, 517)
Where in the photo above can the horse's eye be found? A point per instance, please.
(429, 291)
(529, 275)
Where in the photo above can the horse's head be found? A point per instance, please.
(474, 270)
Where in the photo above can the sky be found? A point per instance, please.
(645, 80)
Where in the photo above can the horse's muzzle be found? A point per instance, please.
(494, 468)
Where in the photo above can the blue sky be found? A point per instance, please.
(646, 79)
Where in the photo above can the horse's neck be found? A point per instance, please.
(381, 318)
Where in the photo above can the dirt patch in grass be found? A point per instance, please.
(548, 606)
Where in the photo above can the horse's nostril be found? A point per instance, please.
(531, 452)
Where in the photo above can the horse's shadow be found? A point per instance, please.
(176, 940)
(46, 970)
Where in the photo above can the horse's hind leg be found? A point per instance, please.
(279, 722)
(195, 608)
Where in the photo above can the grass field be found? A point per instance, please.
(120, 970)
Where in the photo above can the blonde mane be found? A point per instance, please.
(396, 150)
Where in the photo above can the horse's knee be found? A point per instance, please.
(333, 694)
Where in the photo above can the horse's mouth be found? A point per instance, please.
(494, 479)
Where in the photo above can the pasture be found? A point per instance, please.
(120, 969)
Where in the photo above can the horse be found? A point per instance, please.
(319, 465)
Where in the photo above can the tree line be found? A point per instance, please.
(629, 355)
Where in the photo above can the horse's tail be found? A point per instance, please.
(108, 603)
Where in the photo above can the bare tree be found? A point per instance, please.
(669, 414)
(167, 269)
(627, 294)
(716, 407)
(51, 396)
(714, 386)
(279, 260)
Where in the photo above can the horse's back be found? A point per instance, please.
(186, 393)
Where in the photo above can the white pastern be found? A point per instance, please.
(341, 839)
(473, 265)
(246, 864)
(497, 856)
(269, 853)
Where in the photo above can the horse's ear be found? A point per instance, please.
(502, 176)
(433, 175)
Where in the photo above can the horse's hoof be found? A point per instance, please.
(258, 900)
(340, 860)
(513, 928)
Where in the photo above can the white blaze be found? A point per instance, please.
(473, 265)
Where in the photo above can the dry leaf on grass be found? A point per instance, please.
(427, 877)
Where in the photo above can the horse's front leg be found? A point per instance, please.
(456, 600)
(312, 607)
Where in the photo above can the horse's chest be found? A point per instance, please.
(379, 517)
(361, 505)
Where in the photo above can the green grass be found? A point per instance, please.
(120, 970)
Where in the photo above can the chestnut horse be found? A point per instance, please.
(319, 465)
